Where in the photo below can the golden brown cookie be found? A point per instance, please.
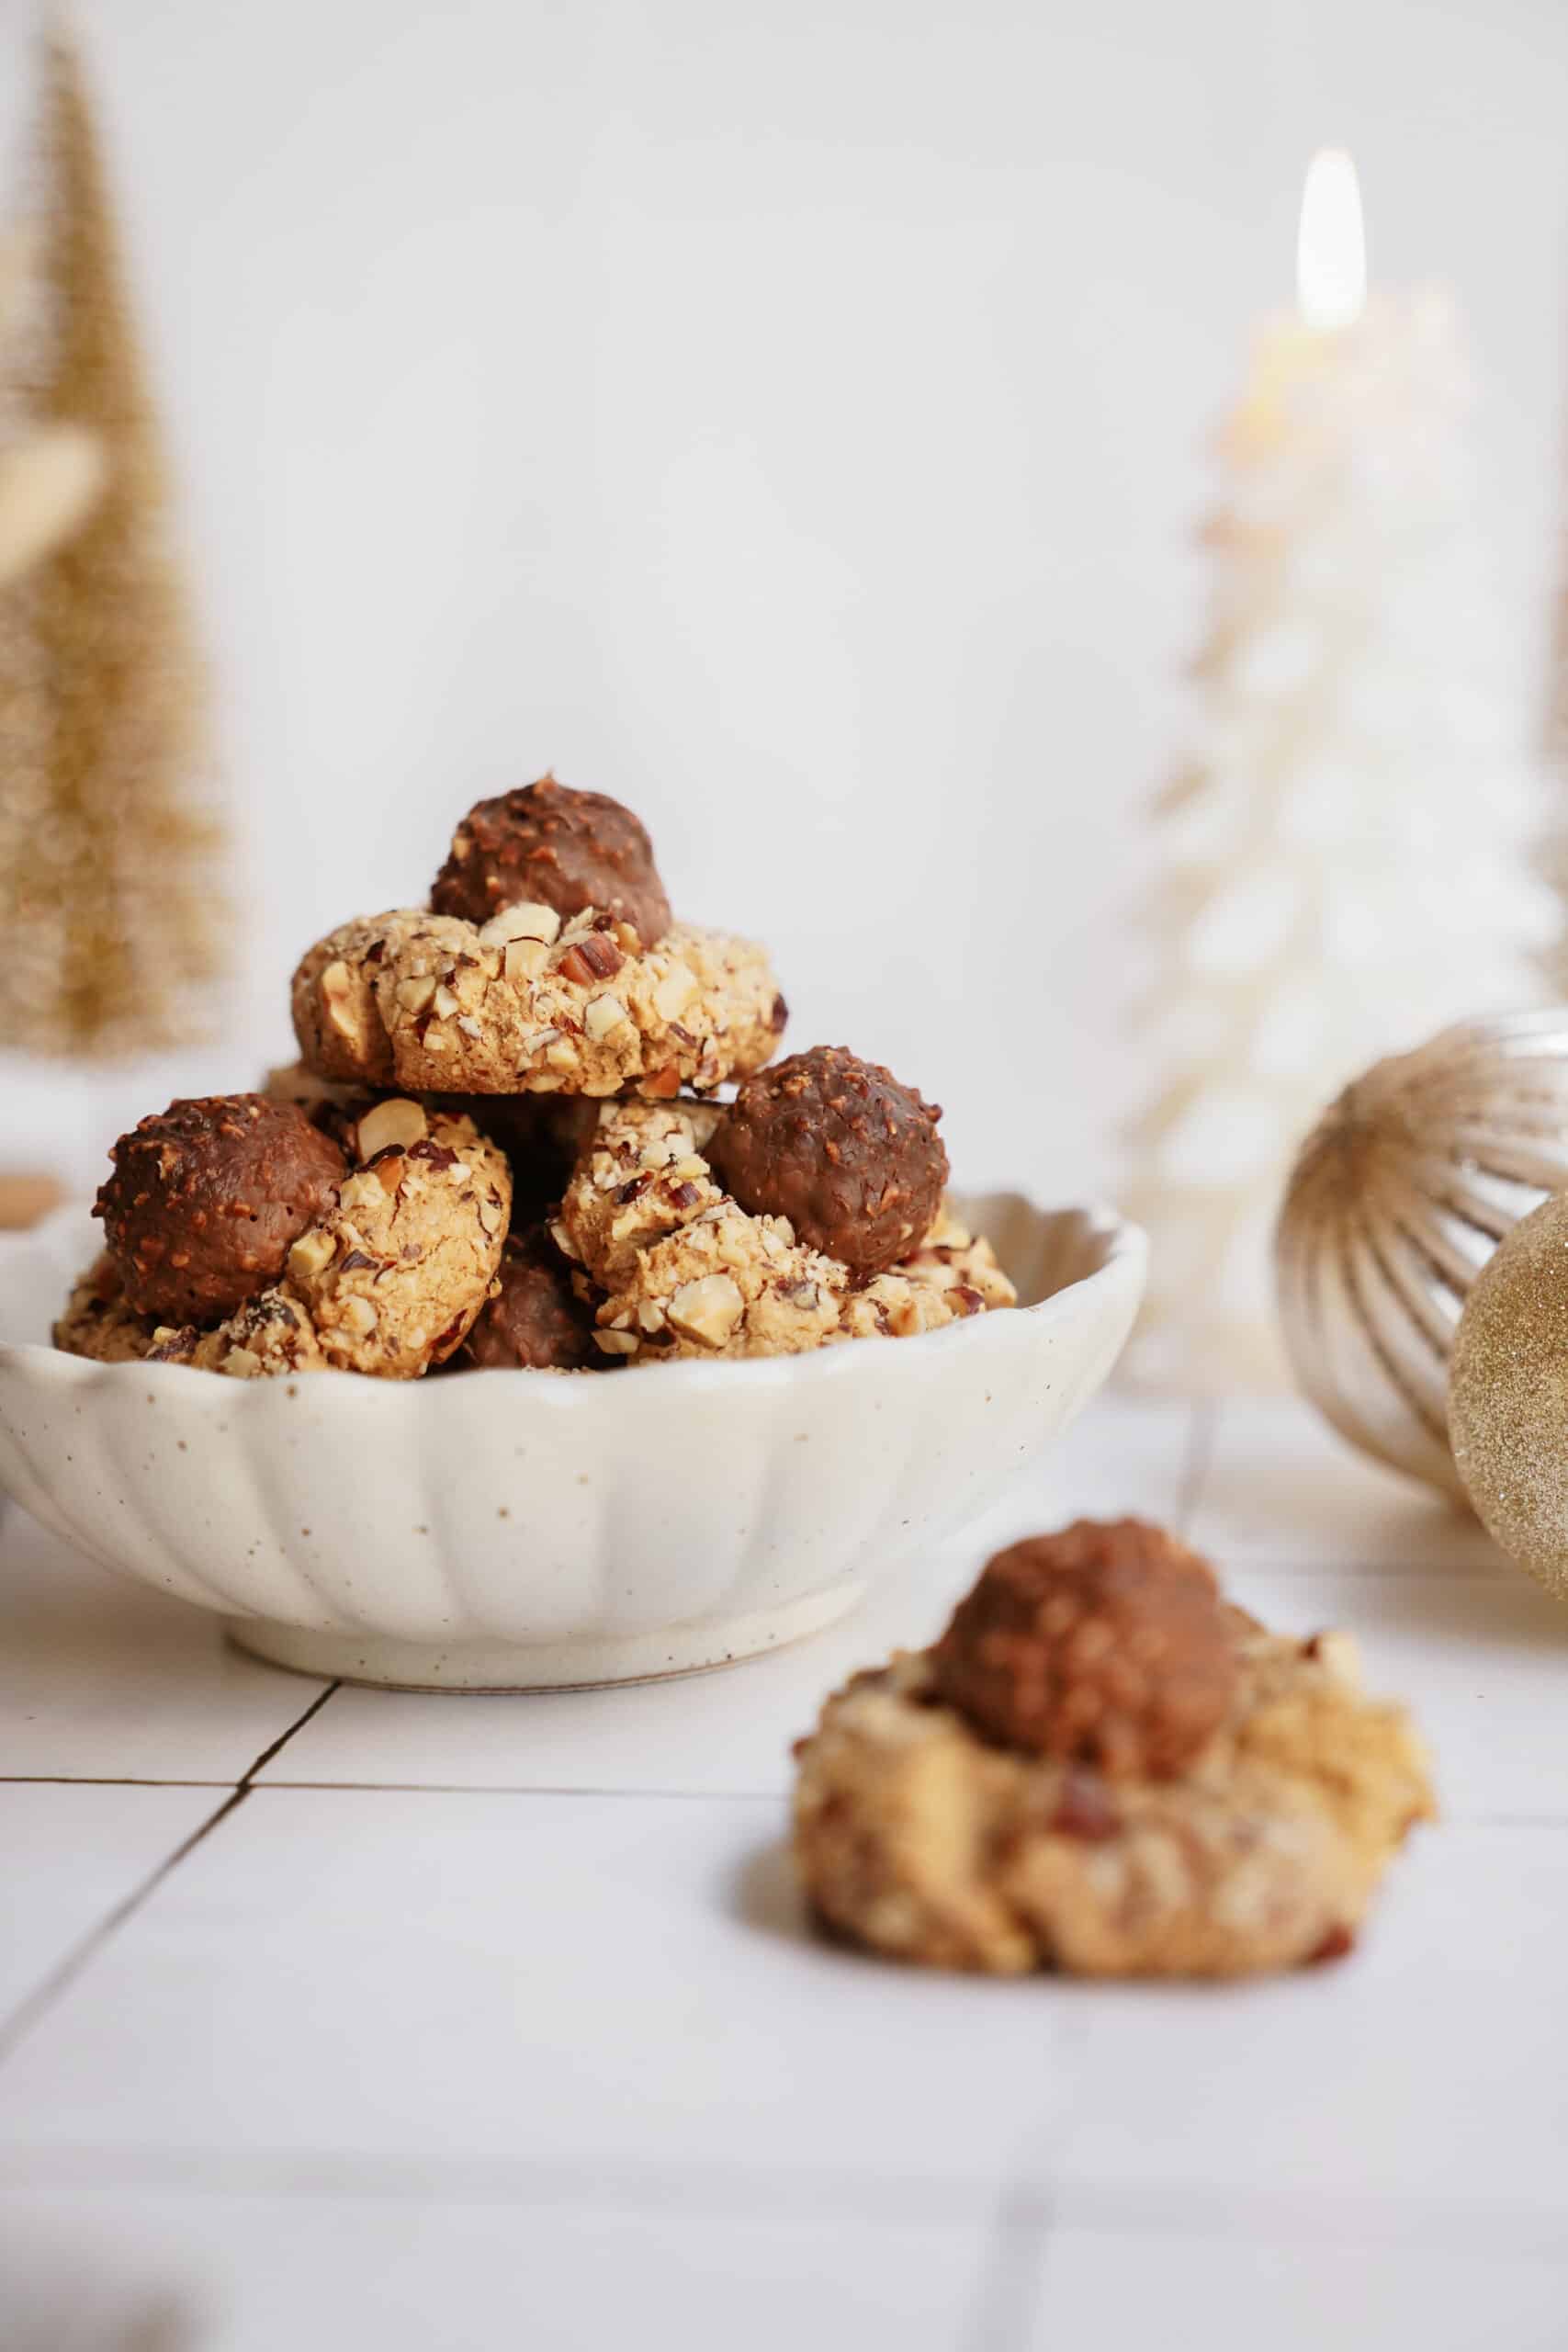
(687, 1272)
(923, 1838)
(387, 1281)
(542, 1135)
(528, 1004)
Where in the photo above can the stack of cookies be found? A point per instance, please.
(504, 1146)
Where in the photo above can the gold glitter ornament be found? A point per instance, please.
(1508, 1396)
(1396, 1202)
(110, 907)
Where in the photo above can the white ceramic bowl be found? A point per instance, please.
(514, 1529)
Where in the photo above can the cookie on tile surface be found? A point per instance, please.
(531, 1004)
(687, 1272)
(386, 1282)
(928, 1839)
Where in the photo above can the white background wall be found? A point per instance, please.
(790, 417)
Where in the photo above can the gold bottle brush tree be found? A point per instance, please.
(109, 844)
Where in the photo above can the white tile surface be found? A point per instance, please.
(1127, 1455)
(68, 1855)
(586, 1979)
(256, 2273)
(730, 1732)
(384, 2062)
(1117, 2289)
(102, 1678)
(1482, 1661)
(1428, 2067)
(1281, 1487)
(720, 1734)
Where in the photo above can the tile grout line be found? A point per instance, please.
(1010, 2308)
(103, 1781)
(1197, 1462)
(403, 1788)
(1294, 1563)
(1509, 1819)
(530, 1789)
(284, 1737)
(1006, 2311)
(37, 2004)
(798, 2192)
(1027, 2213)
(1006, 2307)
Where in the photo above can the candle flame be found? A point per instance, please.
(1331, 254)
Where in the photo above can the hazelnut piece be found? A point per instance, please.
(707, 1309)
(312, 1254)
(337, 995)
(398, 1122)
(674, 993)
(528, 921)
(604, 1015)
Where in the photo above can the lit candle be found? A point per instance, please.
(1348, 851)
(1331, 246)
(1296, 350)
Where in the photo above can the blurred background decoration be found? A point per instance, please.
(1352, 855)
(790, 421)
(1396, 1202)
(110, 850)
(50, 474)
(1554, 738)
(108, 896)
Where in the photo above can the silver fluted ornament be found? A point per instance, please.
(1397, 1199)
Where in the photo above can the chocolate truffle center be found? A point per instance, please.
(206, 1198)
(546, 845)
(837, 1145)
(1106, 1643)
(536, 1321)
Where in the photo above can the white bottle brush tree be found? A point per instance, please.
(1347, 858)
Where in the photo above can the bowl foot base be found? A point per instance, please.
(496, 1668)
